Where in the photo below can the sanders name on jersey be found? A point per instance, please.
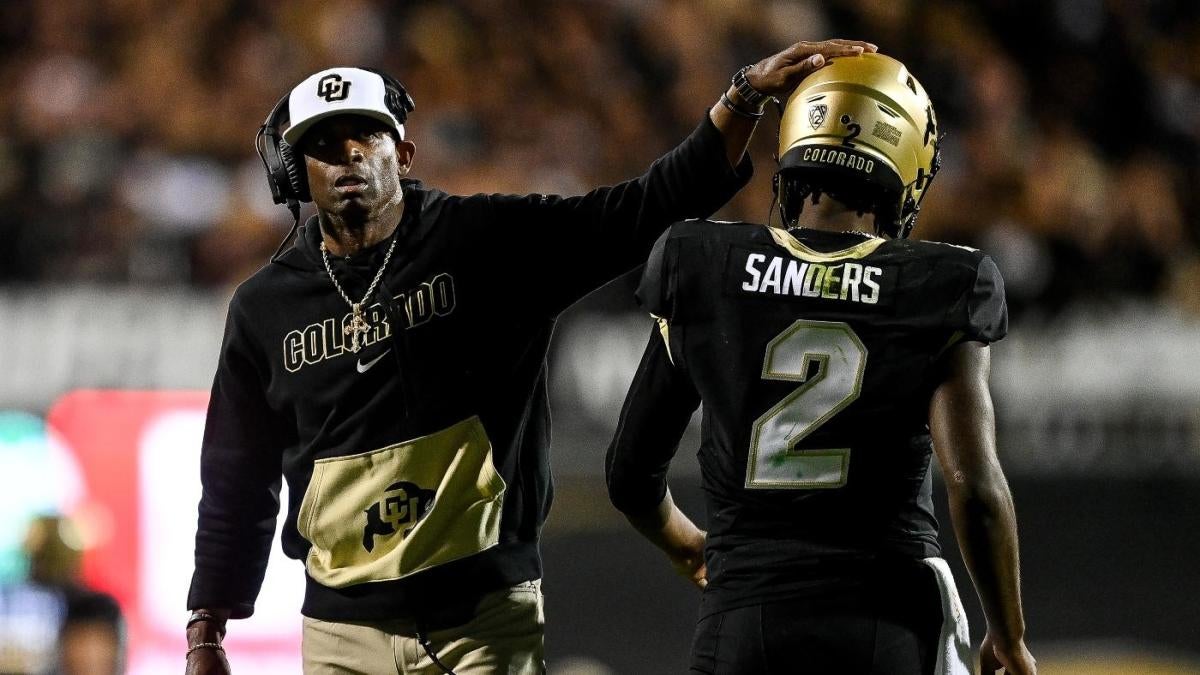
(850, 281)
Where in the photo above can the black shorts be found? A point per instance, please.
(889, 625)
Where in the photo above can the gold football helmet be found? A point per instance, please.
(862, 130)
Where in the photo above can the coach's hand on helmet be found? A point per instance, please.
(779, 74)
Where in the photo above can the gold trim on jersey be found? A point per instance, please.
(799, 250)
(664, 329)
(392, 512)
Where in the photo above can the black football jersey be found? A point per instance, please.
(815, 355)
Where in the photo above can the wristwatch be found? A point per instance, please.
(753, 97)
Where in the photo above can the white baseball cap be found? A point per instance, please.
(338, 91)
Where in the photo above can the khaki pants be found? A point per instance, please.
(504, 636)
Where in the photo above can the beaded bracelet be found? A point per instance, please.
(204, 645)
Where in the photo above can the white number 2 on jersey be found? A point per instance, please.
(841, 358)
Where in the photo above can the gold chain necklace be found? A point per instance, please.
(358, 326)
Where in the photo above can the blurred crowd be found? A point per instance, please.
(126, 126)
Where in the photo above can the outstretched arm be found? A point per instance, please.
(584, 241)
(962, 422)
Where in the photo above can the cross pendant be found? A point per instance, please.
(357, 327)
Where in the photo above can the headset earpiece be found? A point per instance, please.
(297, 177)
(392, 101)
(406, 101)
(398, 101)
(282, 173)
(287, 184)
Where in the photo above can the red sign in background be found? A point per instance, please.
(138, 456)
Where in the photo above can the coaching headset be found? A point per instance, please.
(285, 173)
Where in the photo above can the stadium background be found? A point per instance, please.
(131, 204)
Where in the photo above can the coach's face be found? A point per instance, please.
(354, 163)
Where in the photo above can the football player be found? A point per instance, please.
(833, 356)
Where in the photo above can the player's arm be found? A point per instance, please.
(962, 423)
(657, 409)
(675, 534)
(241, 475)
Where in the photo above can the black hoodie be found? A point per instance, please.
(418, 467)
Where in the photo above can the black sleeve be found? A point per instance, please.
(559, 249)
(981, 314)
(240, 471)
(657, 409)
(655, 291)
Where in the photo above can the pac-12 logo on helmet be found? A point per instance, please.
(333, 88)
(816, 114)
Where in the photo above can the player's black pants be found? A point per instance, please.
(883, 627)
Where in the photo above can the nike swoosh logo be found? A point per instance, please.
(364, 367)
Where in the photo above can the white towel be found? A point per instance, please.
(954, 645)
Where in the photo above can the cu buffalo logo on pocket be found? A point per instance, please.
(403, 503)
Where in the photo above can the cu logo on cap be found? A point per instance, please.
(333, 88)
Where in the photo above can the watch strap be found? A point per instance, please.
(753, 97)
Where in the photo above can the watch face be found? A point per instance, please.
(748, 92)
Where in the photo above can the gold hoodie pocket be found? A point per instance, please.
(388, 513)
